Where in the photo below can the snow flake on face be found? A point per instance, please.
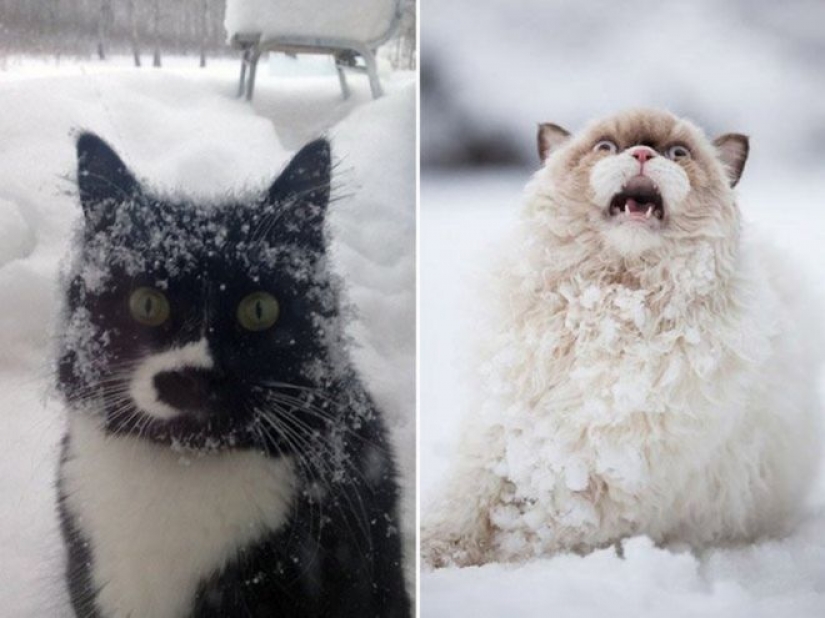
(147, 235)
(89, 345)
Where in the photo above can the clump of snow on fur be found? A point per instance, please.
(464, 218)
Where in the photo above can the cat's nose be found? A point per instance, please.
(189, 388)
(643, 154)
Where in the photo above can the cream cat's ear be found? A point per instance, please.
(550, 136)
(102, 179)
(733, 149)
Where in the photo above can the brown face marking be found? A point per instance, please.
(700, 203)
(654, 128)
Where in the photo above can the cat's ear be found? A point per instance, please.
(550, 136)
(301, 194)
(306, 177)
(733, 149)
(102, 178)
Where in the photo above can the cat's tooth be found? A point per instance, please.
(649, 212)
(625, 208)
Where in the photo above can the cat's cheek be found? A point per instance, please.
(283, 338)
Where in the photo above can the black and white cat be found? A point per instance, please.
(222, 456)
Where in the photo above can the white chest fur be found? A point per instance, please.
(158, 523)
(684, 412)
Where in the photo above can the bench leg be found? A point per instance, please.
(244, 62)
(342, 79)
(372, 72)
(253, 69)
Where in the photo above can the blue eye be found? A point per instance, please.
(605, 145)
(677, 152)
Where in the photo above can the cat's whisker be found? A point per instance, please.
(322, 414)
(308, 472)
(358, 511)
(339, 495)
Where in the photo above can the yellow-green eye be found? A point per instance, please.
(149, 306)
(258, 311)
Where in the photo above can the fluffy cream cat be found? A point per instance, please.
(647, 369)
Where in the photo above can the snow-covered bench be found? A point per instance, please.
(344, 29)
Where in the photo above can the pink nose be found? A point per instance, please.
(643, 154)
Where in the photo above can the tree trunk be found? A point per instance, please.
(156, 27)
(104, 22)
(133, 32)
(204, 30)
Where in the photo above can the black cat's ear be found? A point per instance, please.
(102, 178)
(301, 194)
(306, 177)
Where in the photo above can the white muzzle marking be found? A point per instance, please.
(609, 176)
(142, 386)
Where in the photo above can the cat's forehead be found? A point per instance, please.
(651, 127)
(156, 237)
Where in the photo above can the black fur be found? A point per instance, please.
(287, 390)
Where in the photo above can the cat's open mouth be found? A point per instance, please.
(639, 200)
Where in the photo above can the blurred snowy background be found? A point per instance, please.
(180, 128)
(489, 73)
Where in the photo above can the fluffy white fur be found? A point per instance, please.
(639, 379)
(142, 385)
(135, 501)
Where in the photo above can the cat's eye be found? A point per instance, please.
(258, 311)
(149, 306)
(677, 151)
(606, 145)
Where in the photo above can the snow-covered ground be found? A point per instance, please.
(463, 217)
(180, 127)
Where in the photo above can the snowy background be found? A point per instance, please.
(181, 128)
(490, 73)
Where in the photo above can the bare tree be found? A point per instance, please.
(103, 27)
(204, 30)
(104, 24)
(156, 32)
(133, 31)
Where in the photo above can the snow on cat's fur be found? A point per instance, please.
(222, 456)
(648, 369)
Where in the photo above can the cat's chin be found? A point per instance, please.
(631, 239)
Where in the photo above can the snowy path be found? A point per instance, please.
(462, 219)
(181, 128)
